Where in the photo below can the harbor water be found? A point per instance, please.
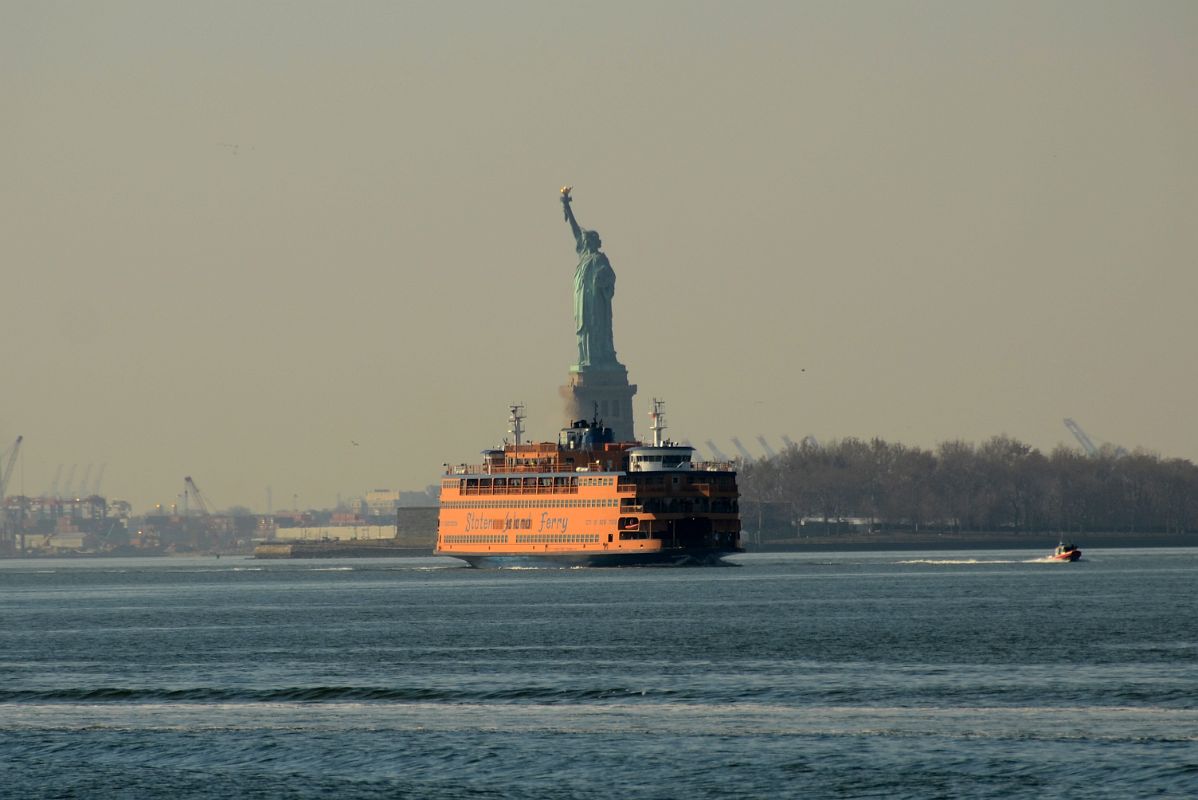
(912, 674)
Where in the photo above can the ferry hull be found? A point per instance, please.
(659, 558)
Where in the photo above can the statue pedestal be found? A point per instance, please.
(608, 389)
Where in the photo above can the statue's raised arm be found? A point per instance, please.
(570, 215)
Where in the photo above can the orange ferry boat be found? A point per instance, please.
(586, 500)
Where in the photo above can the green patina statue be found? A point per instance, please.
(594, 286)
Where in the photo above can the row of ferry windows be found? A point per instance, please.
(516, 483)
(547, 538)
(603, 502)
(476, 538)
(523, 538)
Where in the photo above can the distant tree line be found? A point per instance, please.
(1002, 484)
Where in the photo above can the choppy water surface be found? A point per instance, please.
(979, 674)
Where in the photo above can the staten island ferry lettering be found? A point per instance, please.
(586, 500)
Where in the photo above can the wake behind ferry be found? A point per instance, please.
(586, 500)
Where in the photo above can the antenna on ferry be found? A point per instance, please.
(516, 421)
(659, 419)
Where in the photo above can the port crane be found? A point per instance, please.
(190, 488)
(7, 473)
(769, 451)
(740, 448)
(1082, 439)
(1087, 443)
(715, 452)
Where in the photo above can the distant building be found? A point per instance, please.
(382, 502)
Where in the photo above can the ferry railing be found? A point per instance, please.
(715, 466)
(472, 491)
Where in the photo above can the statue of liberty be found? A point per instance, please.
(594, 286)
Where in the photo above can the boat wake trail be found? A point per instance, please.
(963, 561)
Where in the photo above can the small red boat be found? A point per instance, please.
(1066, 552)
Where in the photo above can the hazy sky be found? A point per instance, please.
(240, 236)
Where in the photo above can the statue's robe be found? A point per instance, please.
(594, 287)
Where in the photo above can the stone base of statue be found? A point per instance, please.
(606, 389)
